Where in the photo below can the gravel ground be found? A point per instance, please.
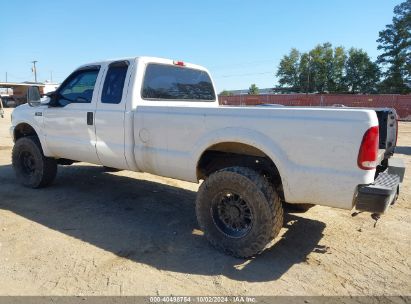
(126, 233)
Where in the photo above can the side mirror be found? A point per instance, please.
(33, 96)
(51, 99)
(50, 94)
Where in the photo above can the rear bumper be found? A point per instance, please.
(383, 192)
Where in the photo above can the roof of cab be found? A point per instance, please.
(145, 59)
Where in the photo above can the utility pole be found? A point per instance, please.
(7, 89)
(51, 76)
(34, 70)
(308, 79)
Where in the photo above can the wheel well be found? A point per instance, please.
(23, 130)
(231, 154)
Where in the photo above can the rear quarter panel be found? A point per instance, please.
(314, 149)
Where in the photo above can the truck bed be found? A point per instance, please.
(314, 149)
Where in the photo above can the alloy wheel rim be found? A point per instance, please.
(232, 214)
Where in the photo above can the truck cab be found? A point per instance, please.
(86, 119)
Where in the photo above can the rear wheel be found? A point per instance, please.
(239, 211)
(32, 168)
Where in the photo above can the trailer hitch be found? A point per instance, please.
(375, 217)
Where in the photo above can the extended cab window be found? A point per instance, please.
(79, 87)
(167, 82)
(114, 82)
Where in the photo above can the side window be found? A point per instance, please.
(114, 82)
(79, 87)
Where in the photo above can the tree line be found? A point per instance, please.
(334, 69)
(328, 69)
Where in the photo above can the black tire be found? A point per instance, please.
(110, 169)
(32, 168)
(239, 211)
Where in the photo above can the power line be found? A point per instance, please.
(13, 76)
(246, 74)
(240, 64)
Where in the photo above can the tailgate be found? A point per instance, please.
(388, 129)
(377, 196)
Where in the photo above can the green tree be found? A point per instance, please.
(288, 70)
(305, 74)
(253, 90)
(362, 75)
(319, 70)
(320, 66)
(324, 69)
(226, 93)
(336, 80)
(395, 43)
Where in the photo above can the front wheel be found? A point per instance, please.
(239, 211)
(32, 168)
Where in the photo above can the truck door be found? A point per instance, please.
(69, 125)
(110, 115)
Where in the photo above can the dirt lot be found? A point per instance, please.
(98, 233)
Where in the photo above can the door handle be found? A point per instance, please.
(90, 118)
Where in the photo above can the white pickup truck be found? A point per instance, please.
(162, 116)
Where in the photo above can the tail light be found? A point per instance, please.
(368, 154)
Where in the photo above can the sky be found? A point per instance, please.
(240, 41)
